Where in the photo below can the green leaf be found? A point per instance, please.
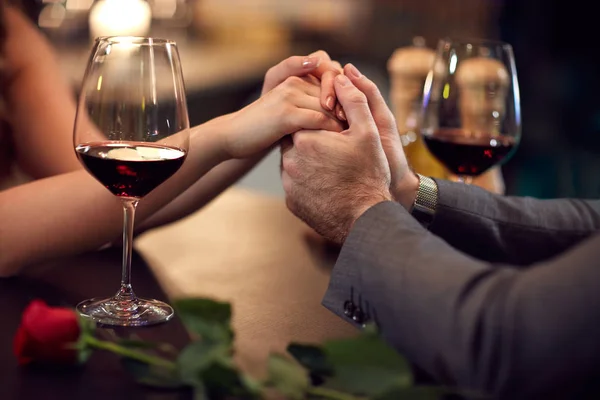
(366, 365)
(288, 377)
(208, 318)
(413, 393)
(196, 357)
(152, 375)
(312, 358)
(223, 380)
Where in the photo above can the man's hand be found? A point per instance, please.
(404, 183)
(331, 178)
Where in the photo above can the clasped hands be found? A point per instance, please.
(340, 148)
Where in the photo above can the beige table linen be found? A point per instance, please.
(247, 248)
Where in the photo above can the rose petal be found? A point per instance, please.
(45, 323)
(46, 333)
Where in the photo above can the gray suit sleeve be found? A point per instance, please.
(513, 230)
(513, 333)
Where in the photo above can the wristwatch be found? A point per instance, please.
(425, 204)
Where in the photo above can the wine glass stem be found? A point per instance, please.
(126, 292)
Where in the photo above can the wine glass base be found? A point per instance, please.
(138, 312)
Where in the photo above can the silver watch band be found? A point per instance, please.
(425, 203)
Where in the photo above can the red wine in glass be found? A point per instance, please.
(131, 133)
(130, 170)
(465, 153)
(471, 111)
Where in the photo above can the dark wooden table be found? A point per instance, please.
(65, 283)
(245, 248)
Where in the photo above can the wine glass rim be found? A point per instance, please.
(475, 41)
(136, 40)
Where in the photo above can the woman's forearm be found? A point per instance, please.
(202, 192)
(71, 213)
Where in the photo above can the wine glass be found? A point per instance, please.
(471, 113)
(131, 134)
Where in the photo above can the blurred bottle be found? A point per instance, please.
(408, 67)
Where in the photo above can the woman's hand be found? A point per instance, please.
(318, 65)
(292, 105)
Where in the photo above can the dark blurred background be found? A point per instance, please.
(227, 45)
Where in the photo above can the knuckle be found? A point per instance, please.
(321, 119)
(300, 142)
(372, 131)
(368, 133)
(287, 185)
(330, 74)
(286, 94)
(290, 167)
(289, 88)
(302, 145)
(372, 88)
(321, 53)
(390, 121)
(290, 203)
(293, 81)
(269, 73)
(327, 123)
(272, 72)
(357, 97)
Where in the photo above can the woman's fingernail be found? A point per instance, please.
(342, 115)
(342, 80)
(329, 103)
(353, 71)
(310, 62)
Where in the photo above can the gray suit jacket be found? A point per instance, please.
(501, 295)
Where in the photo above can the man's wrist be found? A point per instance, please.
(364, 207)
(406, 190)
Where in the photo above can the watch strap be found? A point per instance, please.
(425, 204)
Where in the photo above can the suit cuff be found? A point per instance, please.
(344, 296)
(453, 199)
(453, 194)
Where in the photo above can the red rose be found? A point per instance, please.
(47, 334)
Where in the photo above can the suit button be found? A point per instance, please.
(349, 308)
(359, 316)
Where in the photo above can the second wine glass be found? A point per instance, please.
(471, 116)
(131, 133)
